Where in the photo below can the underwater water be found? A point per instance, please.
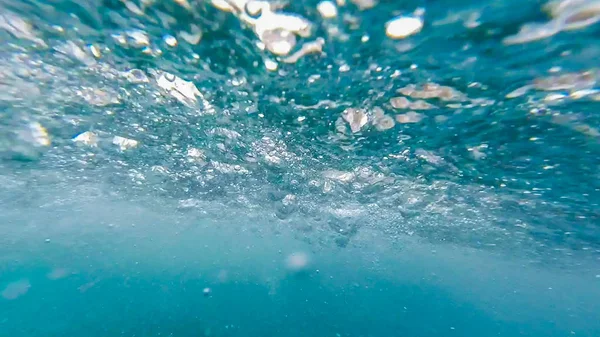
(299, 168)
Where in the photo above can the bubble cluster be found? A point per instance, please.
(309, 116)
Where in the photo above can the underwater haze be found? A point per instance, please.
(343, 168)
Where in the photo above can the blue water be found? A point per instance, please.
(164, 172)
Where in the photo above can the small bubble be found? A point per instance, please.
(357, 118)
(136, 76)
(47, 240)
(384, 123)
(279, 41)
(271, 65)
(364, 4)
(169, 77)
(206, 291)
(139, 38)
(194, 36)
(171, 41)
(400, 102)
(403, 26)
(327, 9)
(88, 138)
(124, 143)
(95, 51)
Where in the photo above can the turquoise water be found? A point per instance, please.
(235, 168)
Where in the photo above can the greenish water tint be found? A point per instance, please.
(149, 280)
(167, 168)
(414, 293)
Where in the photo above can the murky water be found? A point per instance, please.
(293, 168)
